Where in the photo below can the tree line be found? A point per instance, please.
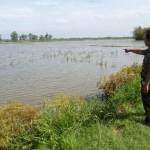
(14, 36)
(138, 34)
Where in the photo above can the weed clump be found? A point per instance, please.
(116, 80)
(14, 118)
(58, 116)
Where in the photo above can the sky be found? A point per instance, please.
(73, 18)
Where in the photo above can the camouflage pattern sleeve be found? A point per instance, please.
(148, 63)
(144, 51)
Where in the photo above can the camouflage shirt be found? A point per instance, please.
(146, 62)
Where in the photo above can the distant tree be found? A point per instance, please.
(23, 37)
(32, 37)
(48, 37)
(138, 33)
(41, 38)
(14, 36)
(0, 37)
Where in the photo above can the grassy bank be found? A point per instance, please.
(72, 123)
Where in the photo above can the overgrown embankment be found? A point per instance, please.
(71, 123)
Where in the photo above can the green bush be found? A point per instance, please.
(138, 33)
(127, 96)
(58, 116)
(116, 80)
(123, 90)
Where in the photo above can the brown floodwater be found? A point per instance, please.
(34, 71)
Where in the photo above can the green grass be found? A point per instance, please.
(72, 123)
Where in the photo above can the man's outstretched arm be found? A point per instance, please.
(136, 51)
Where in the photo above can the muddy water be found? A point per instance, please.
(32, 72)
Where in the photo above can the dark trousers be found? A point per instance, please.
(146, 104)
(146, 101)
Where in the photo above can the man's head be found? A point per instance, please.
(147, 37)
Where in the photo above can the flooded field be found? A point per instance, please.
(32, 72)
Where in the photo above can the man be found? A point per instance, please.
(145, 75)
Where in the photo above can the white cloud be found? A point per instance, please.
(46, 3)
(15, 13)
(74, 18)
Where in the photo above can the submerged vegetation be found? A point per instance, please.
(71, 123)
